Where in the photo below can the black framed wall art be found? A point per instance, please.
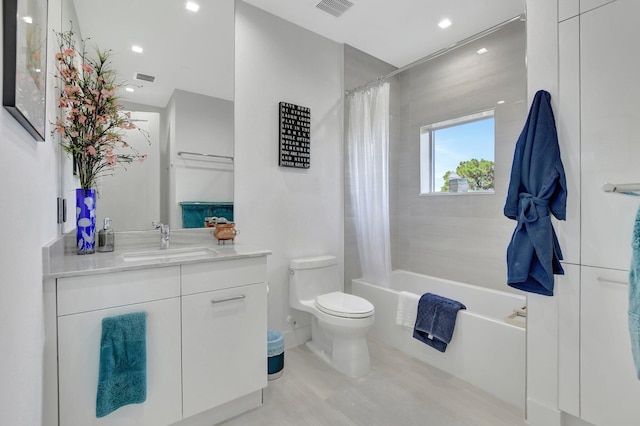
(295, 131)
(24, 63)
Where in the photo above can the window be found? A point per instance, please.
(457, 156)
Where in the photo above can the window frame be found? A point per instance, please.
(427, 151)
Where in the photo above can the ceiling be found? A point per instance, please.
(182, 49)
(195, 52)
(397, 31)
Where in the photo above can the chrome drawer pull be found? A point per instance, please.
(242, 296)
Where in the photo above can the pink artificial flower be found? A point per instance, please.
(91, 150)
(111, 160)
(87, 68)
(143, 157)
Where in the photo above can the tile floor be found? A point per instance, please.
(398, 390)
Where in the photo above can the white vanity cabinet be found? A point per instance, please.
(206, 341)
(82, 304)
(224, 324)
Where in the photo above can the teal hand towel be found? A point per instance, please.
(634, 295)
(122, 377)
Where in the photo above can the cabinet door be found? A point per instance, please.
(79, 358)
(224, 340)
(610, 390)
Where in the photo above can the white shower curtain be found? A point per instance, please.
(368, 151)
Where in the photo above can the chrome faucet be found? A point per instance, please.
(164, 234)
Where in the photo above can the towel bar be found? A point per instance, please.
(201, 154)
(622, 188)
(605, 280)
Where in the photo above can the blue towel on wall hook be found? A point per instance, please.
(122, 377)
(436, 320)
(634, 295)
(537, 189)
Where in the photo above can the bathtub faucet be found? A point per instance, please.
(164, 234)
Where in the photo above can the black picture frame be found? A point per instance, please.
(25, 63)
(294, 136)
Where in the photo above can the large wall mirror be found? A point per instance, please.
(187, 110)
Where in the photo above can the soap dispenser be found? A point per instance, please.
(106, 237)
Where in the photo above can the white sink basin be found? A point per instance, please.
(160, 254)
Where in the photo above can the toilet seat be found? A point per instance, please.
(344, 305)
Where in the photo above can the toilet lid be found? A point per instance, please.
(344, 305)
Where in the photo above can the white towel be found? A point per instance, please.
(407, 309)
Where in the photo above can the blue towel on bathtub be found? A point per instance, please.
(122, 376)
(634, 295)
(436, 320)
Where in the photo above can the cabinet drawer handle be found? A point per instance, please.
(229, 299)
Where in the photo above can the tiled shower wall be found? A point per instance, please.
(458, 237)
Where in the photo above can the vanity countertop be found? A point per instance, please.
(60, 259)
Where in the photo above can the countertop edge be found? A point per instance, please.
(149, 264)
(60, 261)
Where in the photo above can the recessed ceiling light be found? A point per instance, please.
(27, 19)
(481, 51)
(500, 102)
(136, 49)
(129, 89)
(192, 6)
(444, 23)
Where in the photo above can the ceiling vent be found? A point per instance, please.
(334, 7)
(144, 77)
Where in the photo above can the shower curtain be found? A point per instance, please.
(368, 151)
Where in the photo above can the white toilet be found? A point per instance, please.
(340, 321)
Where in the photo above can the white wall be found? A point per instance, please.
(135, 185)
(29, 181)
(293, 212)
(200, 124)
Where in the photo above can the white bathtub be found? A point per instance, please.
(485, 350)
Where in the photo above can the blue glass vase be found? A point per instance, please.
(85, 220)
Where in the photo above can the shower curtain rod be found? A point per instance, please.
(521, 17)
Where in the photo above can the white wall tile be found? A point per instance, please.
(609, 388)
(610, 128)
(587, 5)
(568, 294)
(542, 47)
(568, 125)
(568, 9)
(542, 321)
(542, 360)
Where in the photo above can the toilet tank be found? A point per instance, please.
(312, 276)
